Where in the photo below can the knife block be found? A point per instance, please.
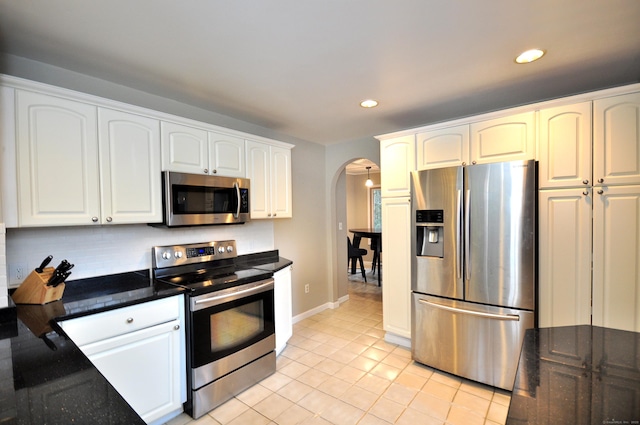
(34, 289)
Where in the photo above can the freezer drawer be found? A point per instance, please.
(478, 342)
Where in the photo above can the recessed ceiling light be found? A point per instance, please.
(369, 103)
(530, 56)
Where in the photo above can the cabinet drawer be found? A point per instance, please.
(108, 324)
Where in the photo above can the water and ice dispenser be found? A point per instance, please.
(430, 233)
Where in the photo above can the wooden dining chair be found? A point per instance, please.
(356, 253)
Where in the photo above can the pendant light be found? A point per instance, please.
(368, 183)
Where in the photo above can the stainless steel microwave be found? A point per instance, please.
(197, 200)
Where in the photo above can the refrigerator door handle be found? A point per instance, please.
(511, 317)
(459, 234)
(467, 235)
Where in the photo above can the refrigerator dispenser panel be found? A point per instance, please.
(430, 233)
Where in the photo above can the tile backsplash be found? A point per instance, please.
(103, 250)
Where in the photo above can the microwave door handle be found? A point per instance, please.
(237, 187)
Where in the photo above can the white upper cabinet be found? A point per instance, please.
(397, 161)
(269, 169)
(129, 168)
(509, 138)
(184, 149)
(57, 155)
(226, 155)
(616, 140)
(447, 147)
(193, 150)
(565, 146)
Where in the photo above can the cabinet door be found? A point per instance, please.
(397, 161)
(226, 155)
(564, 257)
(57, 147)
(130, 168)
(565, 146)
(509, 138)
(144, 367)
(258, 170)
(280, 170)
(284, 319)
(616, 140)
(448, 147)
(616, 275)
(184, 149)
(396, 271)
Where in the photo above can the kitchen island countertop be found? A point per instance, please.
(45, 378)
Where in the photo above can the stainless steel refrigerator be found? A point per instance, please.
(474, 268)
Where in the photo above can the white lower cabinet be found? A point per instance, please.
(282, 305)
(396, 273)
(141, 351)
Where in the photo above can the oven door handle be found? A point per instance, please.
(210, 301)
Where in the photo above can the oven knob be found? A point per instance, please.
(166, 255)
(230, 248)
(221, 249)
(178, 254)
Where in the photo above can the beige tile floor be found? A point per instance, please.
(337, 369)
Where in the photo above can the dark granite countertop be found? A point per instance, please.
(46, 379)
(577, 375)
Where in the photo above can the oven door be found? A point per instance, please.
(230, 329)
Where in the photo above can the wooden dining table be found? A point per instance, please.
(375, 235)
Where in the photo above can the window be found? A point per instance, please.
(375, 207)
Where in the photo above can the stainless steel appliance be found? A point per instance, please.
(195, 200)
(474, 268)
(230, 320)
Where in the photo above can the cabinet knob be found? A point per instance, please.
(600, 192)
(473, 162)
(214, 171)
(130, 320)
(176, 327)
(94, 219)
(274, 214)
(600, 180)
(464, 163)
(206, 171)
(585, 193)
(585, 181)
(109, 219)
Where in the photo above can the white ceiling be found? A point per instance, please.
(302, 67)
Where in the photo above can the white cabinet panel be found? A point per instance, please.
(616, 137)
(616, 257)
(130, 168)
(184, 149)
(57, 153)
(448, 147)
(564, 257)
(565, 146)
(283, 308)
(281, 182)
(509, 138)
(226, 155)
(397, 161)
(396, 272)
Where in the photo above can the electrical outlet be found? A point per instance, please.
(306, 288)
(18, 272)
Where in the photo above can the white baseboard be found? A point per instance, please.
(397, 339)
(319, 309)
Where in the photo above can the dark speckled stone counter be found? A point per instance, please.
(45, 378)
(577, 375)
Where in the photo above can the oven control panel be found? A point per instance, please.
(175, 255)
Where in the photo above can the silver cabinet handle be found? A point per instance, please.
(585, 193)
(600, 180)
(130, 320)
(214, 171)
(512, 317)
(585, 181)
(473, 162)
(600, 192)
(176, 327)
(94, 219)
(109, 219)
(464, 163)
(206, 171)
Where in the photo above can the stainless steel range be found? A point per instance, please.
(230, 321)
